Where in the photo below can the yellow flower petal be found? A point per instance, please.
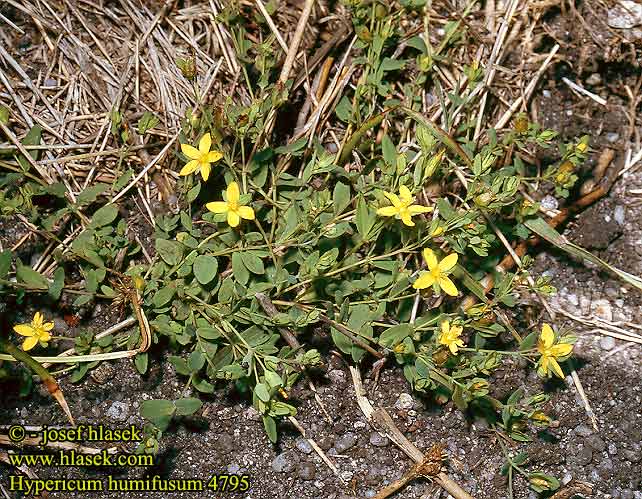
(387, 211)
(445, 327)
(214, 156)
(394, 199)
(556, 368)
(48, 326)
(404, 195)
(233, 218)
(544, 364)
(547, 336)
(431, 259)
(44, 336)
(246, 212)
(205, 171)
(448, 263)
(448, 286)
(561, 349)
(233, 193)
(37, 319)
(24, 330)
(190, 167)
(29, 343)
(205, 144)
(190, 151)
(416, 209)
(217, 206)
(406, 219)
(425, 280)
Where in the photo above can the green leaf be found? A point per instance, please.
(180, 364)
(31, 278)
(340, 197)
(205, 268)
(389, 150)
(270, 428)
(196, 361)
(193, 193)
(202, 385)
(252, 262)
(389, 64)
(187, 406)
(529, 341)
(104, 216)
(147, 122)
(261, 391)
(151, 409)
(364, 219)
(32, 138)
(163, 295)
(82, 300)
(140, 361)
(241, 274)
(55, 289)
(170, 251)
(5, 263)
(395, 335)
(90, 194)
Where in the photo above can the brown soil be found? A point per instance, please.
(227, 435)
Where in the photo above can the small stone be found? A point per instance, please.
(548, 202)
(404, 402)
(546, 93)
(225, 444)
(612, 449)
(345, 441)
(583, 430)
(572, 299)
(118, 411)
(337, 376)
(605, 468)
(595, 442)
(303, 445)
(252, 414)
(346, 476)
(607, 343)
(602, 308)
(631, 455)
(626, 14)
(567, 478)
(359, 425)
(585, 305)
(283, 463)
(612, 137)
(306, 470)
(583, 456)
(233, 468)
(60, 324)
(594, 79)
(378, 440)
(618, 214)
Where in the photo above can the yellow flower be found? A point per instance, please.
(450, 336)
(235, 211)
(200, 158)
(402, 206)
(437, 273)
(551, 352)
(37, 330)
